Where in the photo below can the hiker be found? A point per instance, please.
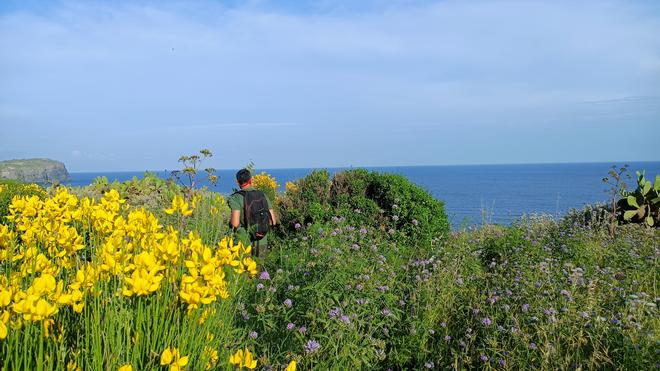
(251, 220)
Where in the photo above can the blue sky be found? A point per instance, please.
(119, 85)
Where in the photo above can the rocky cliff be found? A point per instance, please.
(36, 170)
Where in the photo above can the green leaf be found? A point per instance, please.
(632, 201)
(629, 214)
(656, 186)
(647, 188)
(649, 221)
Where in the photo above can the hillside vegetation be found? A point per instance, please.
(364, 273)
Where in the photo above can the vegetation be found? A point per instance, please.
(643, 204)
(364, 274)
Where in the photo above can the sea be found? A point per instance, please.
(473, 194)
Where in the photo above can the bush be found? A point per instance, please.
(387, 202)
(597, 216)
(11, 188)
(306, 201)
(150, 191)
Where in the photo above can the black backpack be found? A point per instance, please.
(256, 215)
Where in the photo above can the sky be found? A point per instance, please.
(133, 85)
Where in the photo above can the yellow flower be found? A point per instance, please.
(126, 367)
(179, 204)
(171, 357)
(3, 330)
(291, 366)
(291, 186)
(264, 181)
(243, 358)
(212, 357)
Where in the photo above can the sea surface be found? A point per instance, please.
(473, 194)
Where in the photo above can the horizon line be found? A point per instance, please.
(387, 166)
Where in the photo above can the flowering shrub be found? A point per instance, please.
(10, 188)
(100, 285)
(265, 183)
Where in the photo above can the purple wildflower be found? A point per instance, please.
(253, 335)
(447, 338)
(415, 222)
(344, 318)
(302, 329)
(486, 321)
(363, 231)
(484, 357)
(288, 303)
(290, 326)
(386, 311)
(525, 308)
(264, 276)
(260, 286)
(297, 226)
(429, 365)
(334, 312)
(312, 346)
(532, 346)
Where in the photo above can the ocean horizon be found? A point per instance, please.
(473, 194)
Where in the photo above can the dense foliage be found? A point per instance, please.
(363, 274)
(387, 202)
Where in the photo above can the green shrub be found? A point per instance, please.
(412, 210)
(597, 216)
(307, 201)
(150, 192)
(383, 201)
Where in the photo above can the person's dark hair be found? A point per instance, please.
(243, 176)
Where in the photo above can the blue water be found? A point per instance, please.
(472, 194)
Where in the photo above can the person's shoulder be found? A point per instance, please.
(234, 200)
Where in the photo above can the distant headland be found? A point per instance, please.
(34, 170)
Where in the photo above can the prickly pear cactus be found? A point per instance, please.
(643, 204)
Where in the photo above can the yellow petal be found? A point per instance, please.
(166, 357)
(3, 330)
(291, 366)
(182, 361)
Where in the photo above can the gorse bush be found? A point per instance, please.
(11, 188)
(265, 183)
(387, 202)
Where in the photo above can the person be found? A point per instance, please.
(238, 220)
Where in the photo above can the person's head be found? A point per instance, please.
(244, 178)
